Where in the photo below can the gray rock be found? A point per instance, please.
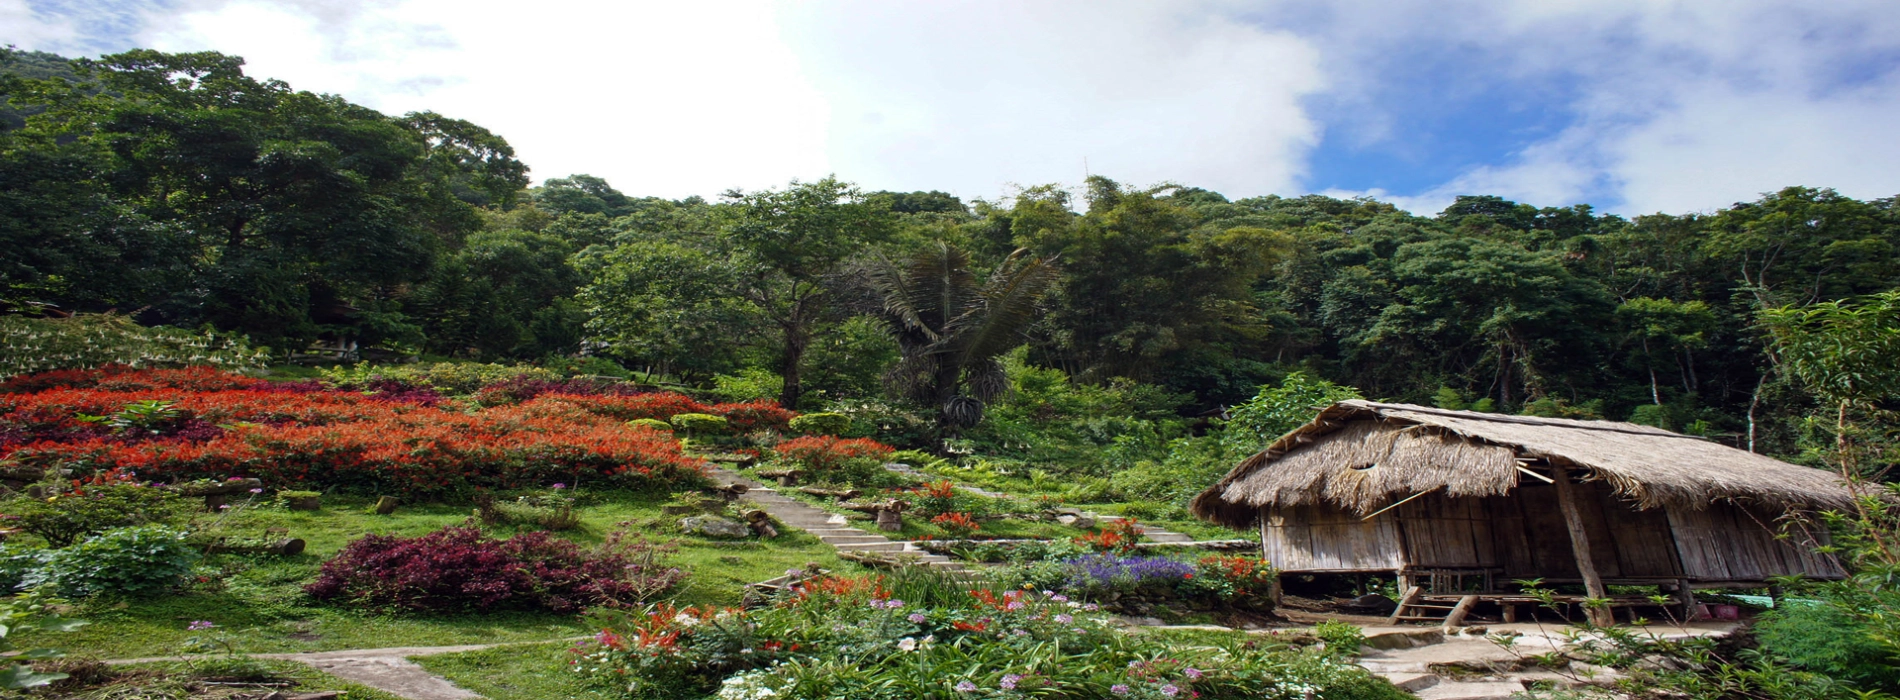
(715, 526)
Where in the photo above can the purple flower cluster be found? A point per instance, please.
(1111, 571)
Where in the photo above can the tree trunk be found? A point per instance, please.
(794, 358)
(1754, 403)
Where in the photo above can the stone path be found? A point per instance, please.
(830, 528)
(388, 669)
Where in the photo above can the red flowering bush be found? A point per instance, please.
(754, 415)
(330, 438)
(457, 569)
(934, 497)
(826, 453)
(957, 524)
(1119, 536)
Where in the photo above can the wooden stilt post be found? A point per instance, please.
(1580, 545)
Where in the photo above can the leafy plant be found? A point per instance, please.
(125, 562)
(65, 518)
(1342, 639)
(24, 613)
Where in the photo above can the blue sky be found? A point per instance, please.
(1631, 106)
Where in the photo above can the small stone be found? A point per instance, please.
(714, 526)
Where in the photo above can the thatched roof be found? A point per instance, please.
(1363, 455)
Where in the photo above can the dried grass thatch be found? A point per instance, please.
(1363, 455)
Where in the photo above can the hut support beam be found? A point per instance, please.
(1580, 545)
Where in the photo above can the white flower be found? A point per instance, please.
(907, 644)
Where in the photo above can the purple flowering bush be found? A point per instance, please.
(458, 569)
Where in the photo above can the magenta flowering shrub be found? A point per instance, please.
(457, 569)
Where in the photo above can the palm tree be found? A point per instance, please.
(951, 327)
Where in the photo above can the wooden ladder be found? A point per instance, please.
(1414, 608)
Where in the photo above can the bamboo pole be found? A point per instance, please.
(1580, 545)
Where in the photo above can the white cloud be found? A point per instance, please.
(668, 99)
(972, 96)
(692, 98)
(21, 26)
(1681, 106)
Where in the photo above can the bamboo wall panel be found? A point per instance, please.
(1727, 543)
(1318, 538)
(1441, 532)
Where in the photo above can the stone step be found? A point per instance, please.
(840, 541)
(1471, 690)
(1412, 682)
(885, 546)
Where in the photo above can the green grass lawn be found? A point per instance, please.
(534, 672)
(260, 598)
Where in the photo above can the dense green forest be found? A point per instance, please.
(180, 190)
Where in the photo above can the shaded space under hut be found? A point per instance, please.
(1459, 505)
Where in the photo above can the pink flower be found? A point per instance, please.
(917, 618)
(558, 487)
(965, 686)
(257, 490)
(199, 625)
(1118, 689)
(1194, 673)
(1170, 690)
(1009, 681)
(1064, 619)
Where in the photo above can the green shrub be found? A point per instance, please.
(1837, 637)
(128, 561)
(447, 377)
(544, 511)
(821, 424)
(699, 423)
(918, 459)
(653, 423)
(63, 519)
(887, 422)
(29, 345)
(585, 366)
(750, 384)
(1341, 638)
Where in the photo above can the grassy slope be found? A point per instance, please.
(263, 603)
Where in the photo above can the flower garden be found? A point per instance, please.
(576, 487)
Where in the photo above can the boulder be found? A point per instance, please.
(715, 526)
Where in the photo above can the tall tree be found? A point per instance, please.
(787, 245)
(952, 326)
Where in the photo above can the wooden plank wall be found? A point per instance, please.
(1724, 542)
(1322, 538)
(1446, 533)
(1524, 534)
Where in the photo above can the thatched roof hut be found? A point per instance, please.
(1372, 486)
